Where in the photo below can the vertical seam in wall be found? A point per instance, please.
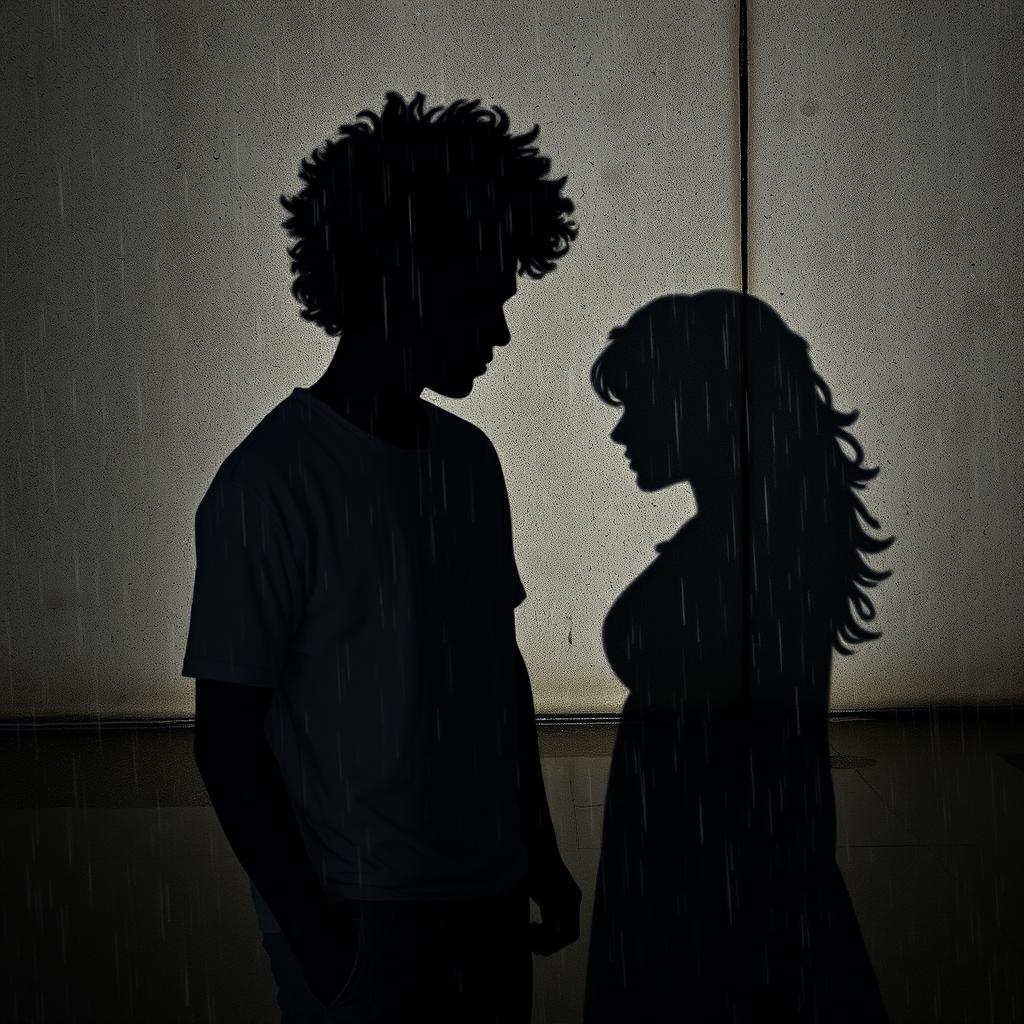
(745, 533)
(743, 141)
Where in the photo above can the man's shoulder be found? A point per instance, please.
(464, 434)
(259, 462)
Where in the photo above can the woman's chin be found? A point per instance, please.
(647, 483)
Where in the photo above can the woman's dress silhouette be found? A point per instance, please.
(718, 895)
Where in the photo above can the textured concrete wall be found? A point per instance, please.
(886, 229)
(148, 323)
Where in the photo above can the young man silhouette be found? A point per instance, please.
(364, 719)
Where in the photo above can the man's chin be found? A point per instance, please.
(453, 388)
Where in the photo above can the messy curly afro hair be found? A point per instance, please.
(406, 187)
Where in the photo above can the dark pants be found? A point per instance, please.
(452, 961)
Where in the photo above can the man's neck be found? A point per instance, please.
(388, 413)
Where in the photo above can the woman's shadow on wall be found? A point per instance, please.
(718, 895)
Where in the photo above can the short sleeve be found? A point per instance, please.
(247, 595)
(513, 585)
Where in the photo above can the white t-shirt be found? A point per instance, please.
(372, 587)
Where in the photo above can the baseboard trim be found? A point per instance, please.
(924, 713)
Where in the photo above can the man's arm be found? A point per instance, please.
(549, 882)
(538, 831)
(249, 795)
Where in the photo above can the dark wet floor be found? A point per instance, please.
(120, 899)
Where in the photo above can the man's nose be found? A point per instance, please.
(503, 333)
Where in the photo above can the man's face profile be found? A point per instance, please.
(462, 322)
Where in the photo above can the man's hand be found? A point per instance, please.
(549, 883)
(558, 897)
(328, 954)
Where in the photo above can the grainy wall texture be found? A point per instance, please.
(886, 227)
(147, 323)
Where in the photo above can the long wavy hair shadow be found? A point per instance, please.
(718, 895)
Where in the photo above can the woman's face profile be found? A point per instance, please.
(676, 398)
(649, 435)
(671, 433)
